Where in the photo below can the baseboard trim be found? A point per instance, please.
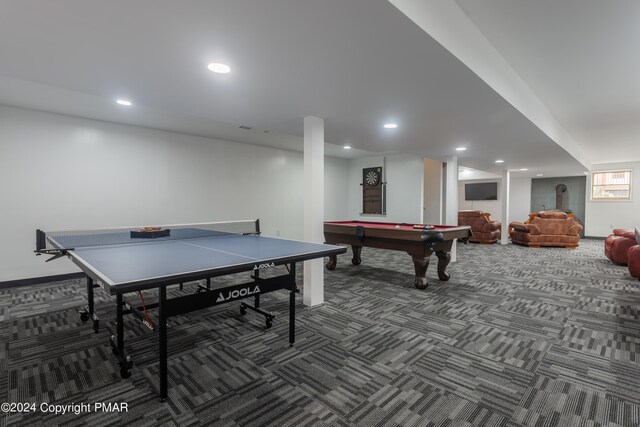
(595, 237)
(37, 280)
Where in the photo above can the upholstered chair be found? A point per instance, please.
(484, 230)
(633, 257)
(547, 228)
(617, 245)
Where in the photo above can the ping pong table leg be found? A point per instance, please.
(163, 341)
(117, 342)
(87, 312)
(119, 324)
(292, 305)
(90, 296)
(256, 299)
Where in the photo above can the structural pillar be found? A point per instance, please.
(504, 195)
(313, 207)
(451, 200)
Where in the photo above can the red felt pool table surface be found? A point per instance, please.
(400, 225)
(418, 242)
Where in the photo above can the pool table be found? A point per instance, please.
(418, 242)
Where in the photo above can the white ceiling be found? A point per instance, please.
(358, 64)
(582, 59)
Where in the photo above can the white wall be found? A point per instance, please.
(601, 217)
(336, 193)
(404, 177)
(465, 173)
(432, 196)
(60, 172)
(519, 200)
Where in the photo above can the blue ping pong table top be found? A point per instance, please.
(140, 265)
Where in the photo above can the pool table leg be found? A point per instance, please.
(357, 250)
(421, 264)
(333, 260)
(443, 261)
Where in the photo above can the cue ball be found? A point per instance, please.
(397, 226)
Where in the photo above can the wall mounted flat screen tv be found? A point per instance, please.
(481, 191)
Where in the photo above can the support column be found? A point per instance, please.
(313, 207)
(451, 201)
(504, 195)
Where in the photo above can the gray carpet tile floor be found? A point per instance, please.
(518, 336)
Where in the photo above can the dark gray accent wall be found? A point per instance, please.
(543, 195)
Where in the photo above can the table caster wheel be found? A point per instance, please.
(269, 323)
(125, 373)
(243, 310)
(84, 316)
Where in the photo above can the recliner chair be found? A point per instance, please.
(633, 256)
(617, 245)
(484, 230)
(634, 261)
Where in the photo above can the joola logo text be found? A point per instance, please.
(265, 265)
(238, 293)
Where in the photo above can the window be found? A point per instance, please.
(612, 185)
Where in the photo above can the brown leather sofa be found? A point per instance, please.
(547, 228)
(484, 230)
(617, 245)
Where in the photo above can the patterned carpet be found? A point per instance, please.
(518, 336)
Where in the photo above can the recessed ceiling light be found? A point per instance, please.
(499, 161)
(347, 147)
(390, 126)
(461, 148)
(539, 174)
(218, 67)
(524, 169)
(124, 102)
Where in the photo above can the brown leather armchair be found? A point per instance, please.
(547, 228)
(633, 256)
(618, 244)
(484, 230)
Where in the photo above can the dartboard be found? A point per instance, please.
(372, 178)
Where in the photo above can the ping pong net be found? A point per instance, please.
(58, 242)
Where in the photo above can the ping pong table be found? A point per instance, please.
(120, 264)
